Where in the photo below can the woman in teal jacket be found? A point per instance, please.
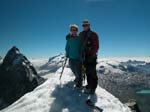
(73, 52)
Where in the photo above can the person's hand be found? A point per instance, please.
(67, 55)
(83, 68)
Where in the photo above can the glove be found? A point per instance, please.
(67, 55)
(83, 69)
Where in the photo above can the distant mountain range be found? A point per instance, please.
(105, 66)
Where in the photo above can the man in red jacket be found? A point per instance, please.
(90, 48)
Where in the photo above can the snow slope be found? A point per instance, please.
(60, 96)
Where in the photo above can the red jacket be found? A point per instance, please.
(92, 45)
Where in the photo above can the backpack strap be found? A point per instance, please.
(86, 39)
(84, 44)
(68, 36)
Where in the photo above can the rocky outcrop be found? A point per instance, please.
(17, 77)
(134, 106)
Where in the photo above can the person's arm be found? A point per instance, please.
(67, 48)
(95, 43)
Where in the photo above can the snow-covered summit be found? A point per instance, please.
(60, 96)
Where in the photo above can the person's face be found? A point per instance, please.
(86, 27)
(74, 31)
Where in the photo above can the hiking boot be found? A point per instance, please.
(75, 80)
(87, 87)
(78, 85)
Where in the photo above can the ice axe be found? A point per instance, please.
(63, 68)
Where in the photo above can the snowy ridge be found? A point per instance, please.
(56, 96)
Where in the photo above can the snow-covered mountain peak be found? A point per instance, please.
(56, 58)
(53, 64)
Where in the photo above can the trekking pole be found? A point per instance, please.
(83, 73)
(63, 68)
(84, 78)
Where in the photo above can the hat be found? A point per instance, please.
(74, 26)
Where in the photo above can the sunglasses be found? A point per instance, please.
(85, 25)
(73, 30)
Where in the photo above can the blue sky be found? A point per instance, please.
(38, 27)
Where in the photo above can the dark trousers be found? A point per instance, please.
(76, 67)
(92, 79)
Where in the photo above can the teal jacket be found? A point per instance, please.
(73, 47)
